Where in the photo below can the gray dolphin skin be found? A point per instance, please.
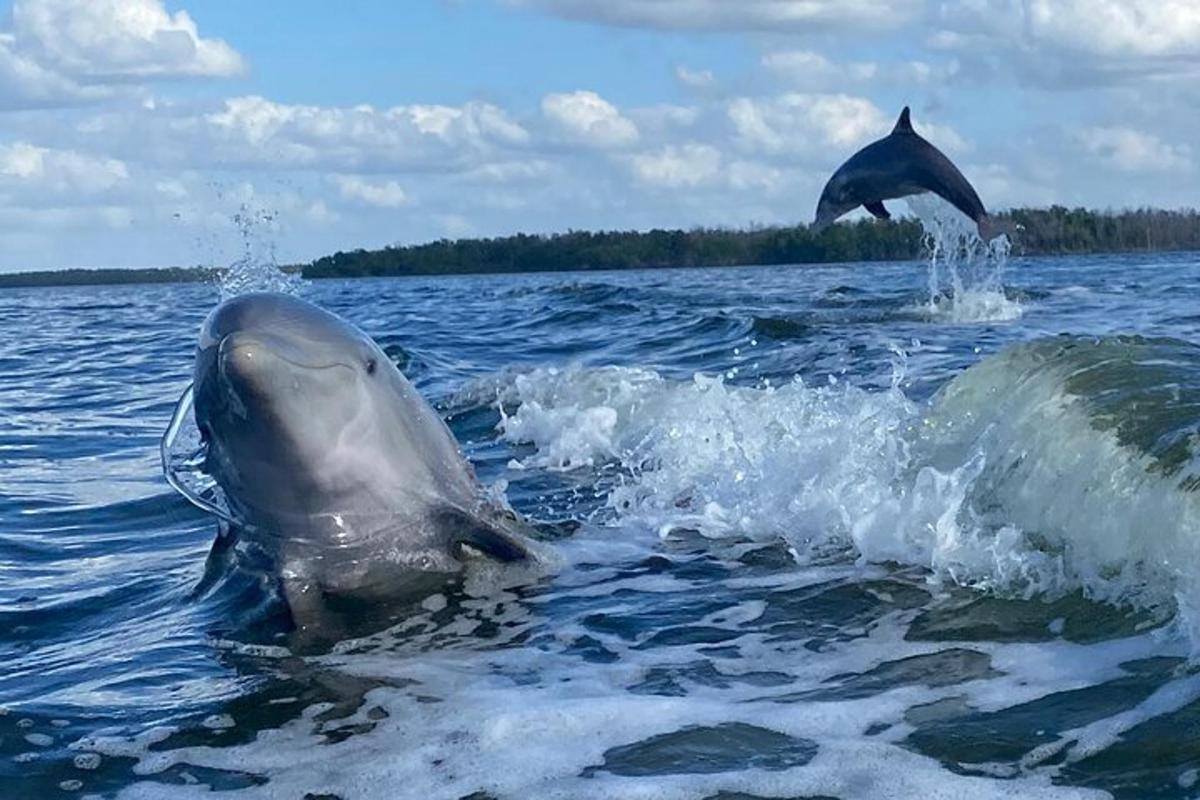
(902, 163)
(334, 464)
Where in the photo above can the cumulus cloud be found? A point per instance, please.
(107, 40)
(1129, 150)
(255, 130)
(1063, 43)
(674, 167)
(68, 52)
(587, 118)
(807, 124)
(386, 194)
(799, 123)
(694, 78)
(725, 15)
(26, 166)
(25, 84)
(810, 70)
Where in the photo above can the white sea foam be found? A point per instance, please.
(1004, 488)
(821, 467)
(535, 721)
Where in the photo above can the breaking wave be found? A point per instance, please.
(1058, 466)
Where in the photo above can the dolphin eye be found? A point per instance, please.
(371, 366)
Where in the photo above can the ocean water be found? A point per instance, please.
(852, 531)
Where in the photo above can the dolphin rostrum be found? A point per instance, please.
(900, 164)
(332, 464)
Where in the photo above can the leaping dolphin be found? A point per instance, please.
(902, 163)
(332, 463)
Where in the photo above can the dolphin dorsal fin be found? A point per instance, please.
(904, 124)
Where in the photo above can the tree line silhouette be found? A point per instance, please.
(1051, 231)
(1047, 231)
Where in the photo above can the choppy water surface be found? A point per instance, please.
(808, 549)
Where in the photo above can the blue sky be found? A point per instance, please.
(134, 130)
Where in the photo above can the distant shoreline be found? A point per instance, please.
(1047, 232)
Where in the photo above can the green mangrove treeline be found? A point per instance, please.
(1036, 231)
(114, 275)
(1055, 230)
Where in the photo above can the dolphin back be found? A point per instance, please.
(933, 171)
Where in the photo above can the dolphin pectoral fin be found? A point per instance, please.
(877, 210)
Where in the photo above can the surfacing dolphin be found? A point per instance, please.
(332, 463)
(900, 164)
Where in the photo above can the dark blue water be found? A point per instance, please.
(774, 584)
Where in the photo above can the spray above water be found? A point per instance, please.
(257, 268)
(966, 273)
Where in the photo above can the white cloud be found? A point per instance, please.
(809, 69)
(107, 40)
(773, 16)
(387, 194)
(63, 171)
(812, 71)
(755, 176)
(1005, 187)
(806, 124)
(794, 123)
(24, 83)
(69, 52)
(62, 218)
(1129, 150)
(172, 188)
(694, 79)
(320, 213)
(1063, 43)
(1117, 27)
(587, 118)
(509, 171)
(674, 167)
(255, 130)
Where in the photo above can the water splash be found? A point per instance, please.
(257, 268)
(966, 273)
(183, 454)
